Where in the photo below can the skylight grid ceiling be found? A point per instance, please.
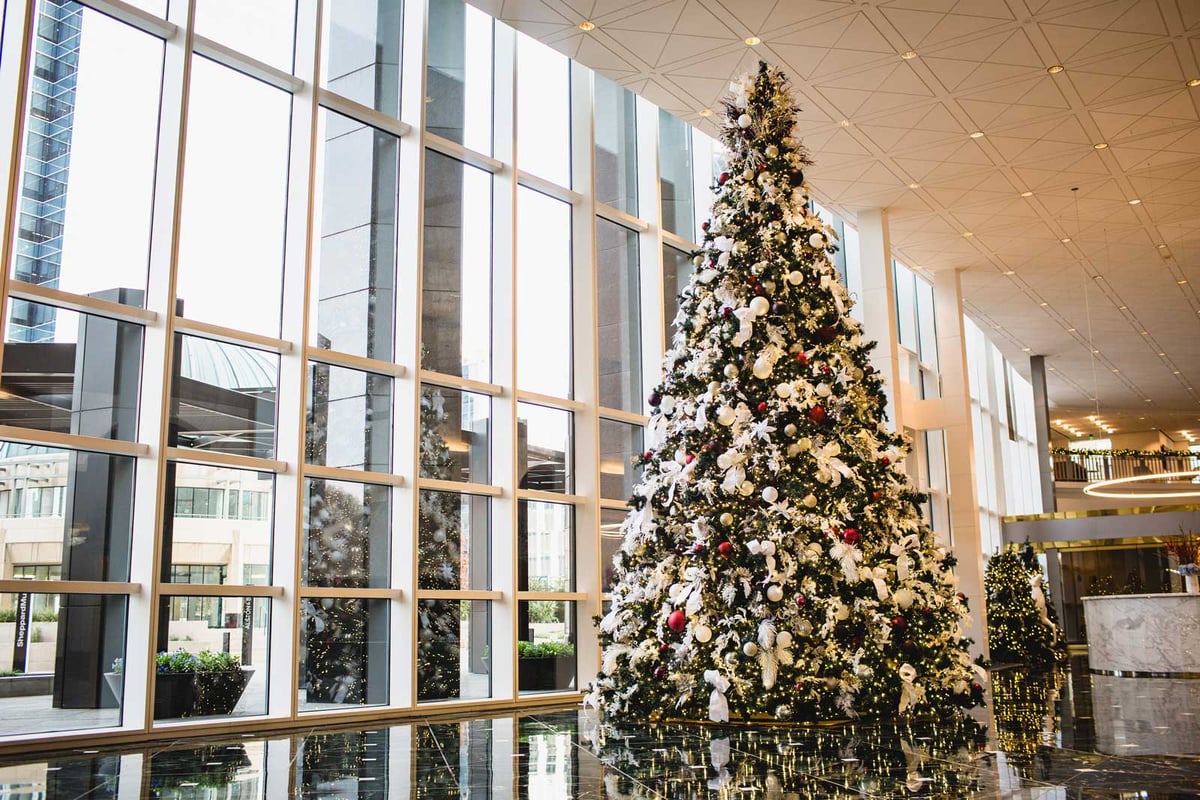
(892, 91)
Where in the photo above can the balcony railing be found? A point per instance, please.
(1085, 466)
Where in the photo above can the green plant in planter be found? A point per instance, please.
(191, 684)
(545, 666)
(545, 649)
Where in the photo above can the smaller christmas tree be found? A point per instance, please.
(1020, 618)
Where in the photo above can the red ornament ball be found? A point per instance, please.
(827, 333)
(648, 455)
(802, 358)
(660, 672)
(726, 312)
(885, 461)
(817, 414)
(897, 622)
(655, 399)
(690, 458)
(724, 176)
(725, 549)
(851, 536)
(762, 407)
(677, 621)
(801, 600)
(704, 226)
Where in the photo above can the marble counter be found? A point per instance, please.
(1146, 716)
(1157, 634)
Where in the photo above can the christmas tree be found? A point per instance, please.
(774, 560)
(1020, 618)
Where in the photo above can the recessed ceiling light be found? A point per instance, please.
(1026, 194)
(1148, 400)
(1010, 272)
(968, 234)
(1054, 369)
(908, 54)
(753, 40)
(1176, 372)
(976, 134)
(587, 25)
(1070, 330)
(706, 112)
(1161, 354)
(1122, 308)
(1065, 239)
(1114, 369)
(1193, 82)
(1024, 349)
(1043, 304)
(1134, 202)
(1182, 282)
(1162, 247)
(914, 186)
(1145, 333)
(845, 123)
(1055, 69)
(1097, 352)
(1100, 146)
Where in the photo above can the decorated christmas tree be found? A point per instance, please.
(775, 561)
(1020, 617)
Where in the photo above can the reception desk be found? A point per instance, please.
(1146, 635)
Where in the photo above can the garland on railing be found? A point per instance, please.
(1063, 451)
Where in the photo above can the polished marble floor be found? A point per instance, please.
(1070, 736)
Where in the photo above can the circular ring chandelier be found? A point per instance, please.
(1095, 489)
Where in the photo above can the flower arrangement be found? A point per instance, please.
(1186, 549)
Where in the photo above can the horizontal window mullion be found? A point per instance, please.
(339, 359)
(9, 585)
(551, 497)
(169, 589)
(352, 475)
(459, 487)
(619, 415)
(550, 400)
(362, 113)
(621, 217)
(462, 153)
(227, 56)
(460, 594)
(217, 459)
(538, 184)
(231, 335)
(455, 382)
(73, 441)
(135, 17)
(573, 597)
(678, 242)
(350, 593)
(82, 303)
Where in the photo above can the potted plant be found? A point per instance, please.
(197, 684)
(1186, 549)
(545, 666)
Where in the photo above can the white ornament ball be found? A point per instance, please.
(823, 475)
(770, 494)
(667, 406)
(784, 390)
(783, 639)
(731, 371)
(805, 444)
(726, 415)
(809, 501)
(767, 548)
(702, 633)
(793, 450)
(744, 121)
(817, 240)
(774, 593)
(746, 489)
(841, 612)
(795, 277)
(760, 305)
(750, 649)
(724, 461)
(904, 597)
(727, 519)
(789, 429)
(823, 390)
(803, 627)
(439, 535)
(763, 368)
(771, 151)
(697, 259)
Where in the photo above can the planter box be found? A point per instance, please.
(26, 685)
(196, 694)
(546, 674)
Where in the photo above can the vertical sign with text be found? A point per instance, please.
(21, 634)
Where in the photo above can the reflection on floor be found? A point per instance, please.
(1042, 740)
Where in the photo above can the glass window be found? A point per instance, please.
(620, 443)
(221, 520)
(619, 303)
(455, 435)
(346, 534)
(926, 323)
(79, 376)
(355, 256)
(611, 538)
(456, 281)
(546, 547)
(543, 111)
(349, 419)
(87, 175)
(212, 658)
(544, 460)
(677, 272)
(235, 176)
(223, 397)
(675, 175)
(543, 294)
(906, 306)
(343, 652)
(264, 29)
(708, 161)
(454, 649)
(68, 508)
(74, 655)
(454, 541)
(546, 635)
(616, 145)
(360, 53)
(458, 79)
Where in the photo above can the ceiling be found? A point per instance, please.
(1045, 273)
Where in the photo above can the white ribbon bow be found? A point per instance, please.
(848, 555)
(827, 459)
(879, 576)
(745, 318)
(718, 706)
(675, 472)
(900, 550)
(910, 694)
